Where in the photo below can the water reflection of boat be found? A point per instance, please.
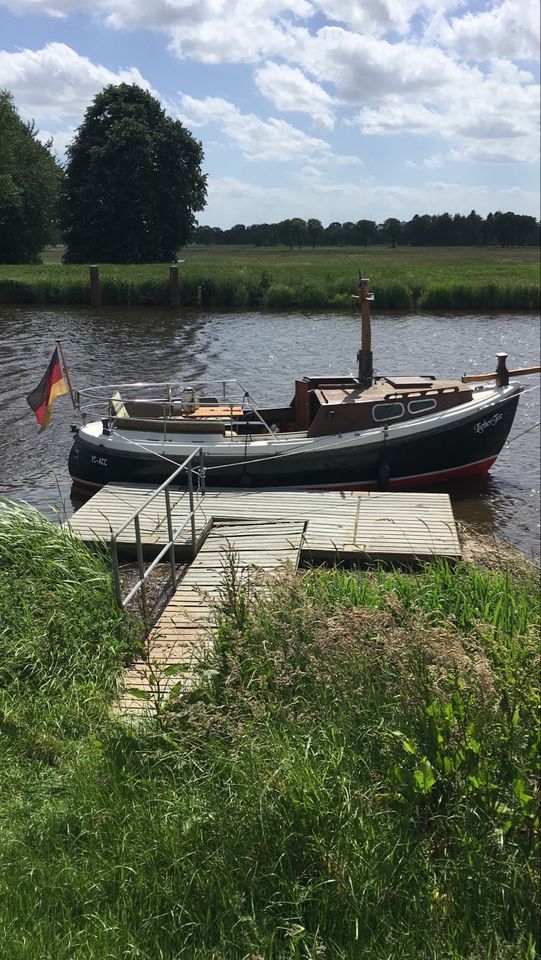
(341, 432)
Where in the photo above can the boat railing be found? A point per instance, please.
(169, 548)
(232, 392)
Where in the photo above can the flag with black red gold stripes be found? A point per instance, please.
(51, 386)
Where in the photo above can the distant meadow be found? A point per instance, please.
(278, 278)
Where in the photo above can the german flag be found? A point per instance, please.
(51, 386)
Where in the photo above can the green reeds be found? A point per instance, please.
(483, 296)
(60, 625)
(278, 279)
(353, 776)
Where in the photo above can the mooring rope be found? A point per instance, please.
(512, 440)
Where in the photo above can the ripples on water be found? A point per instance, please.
(266, 352)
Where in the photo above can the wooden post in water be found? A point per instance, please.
(364, 355)
(174, 287)
(95, 287)
(199, 296)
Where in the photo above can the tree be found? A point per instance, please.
(392, 229)
(285, 233)
(29, 180)
(297, 228)
(133, 181)
(333, 233)
(314, 229)
(366, 231)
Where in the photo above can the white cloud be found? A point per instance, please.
(364, 71)
(440, 69)
(51, 8)
(508, 29)
(490, 117)
(290, 90)
(212, 31)
(371, 16)
(270, 141)
(54, 85)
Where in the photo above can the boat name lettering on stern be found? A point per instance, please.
(483, 424)
(101, 461)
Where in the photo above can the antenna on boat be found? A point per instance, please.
(364, 355)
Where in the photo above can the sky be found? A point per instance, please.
(336, 109)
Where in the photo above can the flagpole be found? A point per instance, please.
(66, 374)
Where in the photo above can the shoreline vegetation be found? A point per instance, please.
(456, 279)
(355, 774)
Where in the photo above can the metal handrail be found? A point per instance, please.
(92, 389)
(173, 535)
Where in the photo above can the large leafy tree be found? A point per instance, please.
(133, 181)
(29, 180)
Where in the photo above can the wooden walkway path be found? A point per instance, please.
(264, 528)
(182, 634)
(341, 525)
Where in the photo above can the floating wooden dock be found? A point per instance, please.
(182, 634)
(264, 528)
(340, 525)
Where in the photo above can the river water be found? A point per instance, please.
(266, 352)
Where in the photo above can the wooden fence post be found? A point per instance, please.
(95, 287)
(174, 287)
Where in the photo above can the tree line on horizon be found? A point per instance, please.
(132, 184)
(503, 229)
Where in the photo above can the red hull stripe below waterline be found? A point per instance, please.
(407, 483)
(471, 469)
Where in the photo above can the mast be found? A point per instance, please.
(364, 355)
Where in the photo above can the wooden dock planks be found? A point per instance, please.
(380, 526)
(265, 528)
(182, 634)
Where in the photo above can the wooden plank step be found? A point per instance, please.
(176, 639)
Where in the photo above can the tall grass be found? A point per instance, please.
(353, 777)
(481, 296)
(277, 279)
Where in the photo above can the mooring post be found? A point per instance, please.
(364, 355)
(502, 373)
(95, 287)
(199, 296)
(174, 287)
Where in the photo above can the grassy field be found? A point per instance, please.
(355, 778)
(428, 278)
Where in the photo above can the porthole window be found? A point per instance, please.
(422, 406)
(387, 411)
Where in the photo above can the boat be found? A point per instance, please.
(343, 432)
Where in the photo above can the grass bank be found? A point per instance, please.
(354, 778)
(449, 278)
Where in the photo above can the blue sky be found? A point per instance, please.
(335, 109)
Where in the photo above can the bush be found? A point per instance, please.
(312, 296)
(279, 295)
